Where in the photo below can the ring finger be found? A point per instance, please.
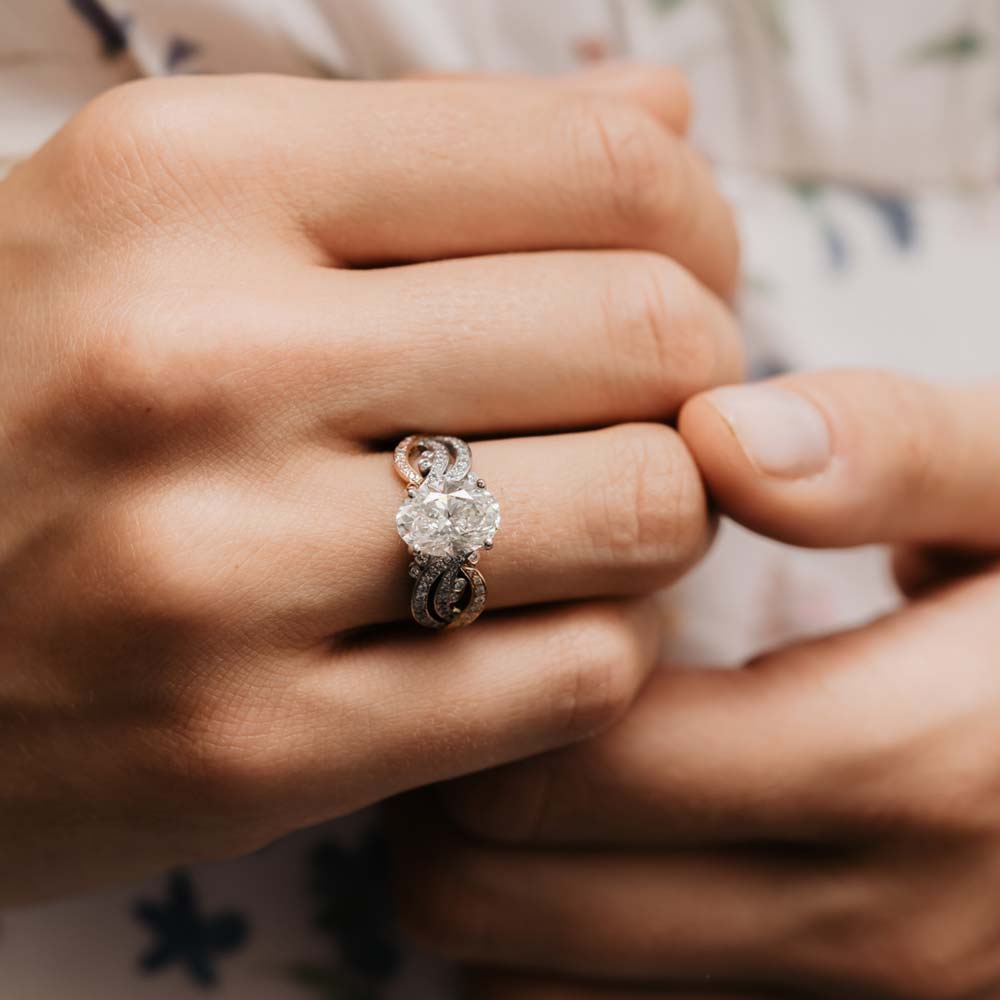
(602, 513)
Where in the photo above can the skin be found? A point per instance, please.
(203, 602)
(823, 823)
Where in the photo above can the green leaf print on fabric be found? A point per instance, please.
(774, 16)
(665, 6)
(957, 46)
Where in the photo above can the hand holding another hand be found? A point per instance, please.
(202, 373)
(822, 823)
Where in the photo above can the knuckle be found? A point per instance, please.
(133, 391)
(657, 311)
(626, 154)
(149, 151)
(602, 653)
(648, 516)
(920, 469)
(130, 132)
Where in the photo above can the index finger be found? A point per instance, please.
(375, 172)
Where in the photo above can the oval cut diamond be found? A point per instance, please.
(448, 518)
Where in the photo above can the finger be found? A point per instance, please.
(588, 172)
(661, 90)
(488, 985)
(796, 748)
(724, 919)
(516, 342)
(413, 708)
(848, 458)
(603, 513)
(310, 548)
(374, 172)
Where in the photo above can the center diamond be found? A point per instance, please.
(445, 518)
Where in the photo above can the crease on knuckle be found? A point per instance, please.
(140, 150)
(656, 310)
(912, 466)
(647, 514)
(118, 143)
(623, 149)
(601, 653)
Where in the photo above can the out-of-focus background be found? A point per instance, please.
(860, 143)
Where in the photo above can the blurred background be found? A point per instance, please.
(860, 143)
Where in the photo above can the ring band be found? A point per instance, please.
(448, 516)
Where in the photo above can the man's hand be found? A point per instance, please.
(825, 822)
(201, 369)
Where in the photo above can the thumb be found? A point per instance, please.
(850, 458)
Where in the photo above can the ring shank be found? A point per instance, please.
(449, 591)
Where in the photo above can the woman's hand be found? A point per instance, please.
(196, 508)
(824, 823)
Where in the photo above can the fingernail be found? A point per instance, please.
(782, 433)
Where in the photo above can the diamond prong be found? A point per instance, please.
(411, 491)
(488, 544)
(481, 483)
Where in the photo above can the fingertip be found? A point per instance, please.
(782, 433)
(764, 451)
(711, 440)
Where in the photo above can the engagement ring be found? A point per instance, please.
(448, 516)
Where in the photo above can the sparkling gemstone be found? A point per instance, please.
(448, 518)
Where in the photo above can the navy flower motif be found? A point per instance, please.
(353, 898)
(895, 211)
(112, 31)
(352, 901)
(179, 51)
(185, 936)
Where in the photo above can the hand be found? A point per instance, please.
(823, 823)
(196, 507)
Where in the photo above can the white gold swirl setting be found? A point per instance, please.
(447, 518)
